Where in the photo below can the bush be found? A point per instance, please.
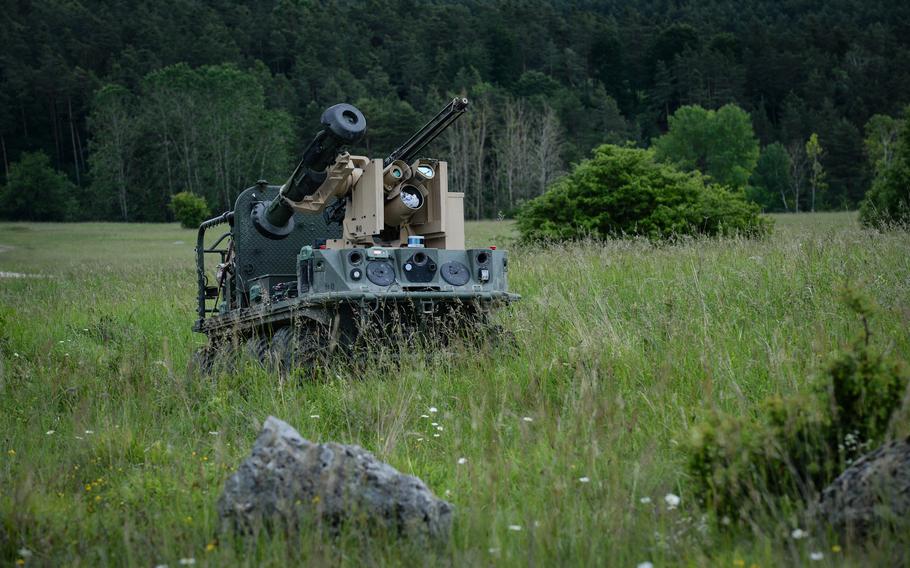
(37, 192)
(801, 444)
(190, 209)
(624, 191)
(887, 203)
(738, 465)
(864, 387)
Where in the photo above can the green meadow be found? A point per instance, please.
(113, 453)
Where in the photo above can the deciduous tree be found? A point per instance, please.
(719, 143)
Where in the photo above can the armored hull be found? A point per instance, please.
(292, 303)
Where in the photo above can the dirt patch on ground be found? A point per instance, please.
(21, 275)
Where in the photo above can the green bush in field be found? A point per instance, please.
(36, 191)
(887, 203)
(864, 387)
(738, 466)
(190, 209)
(802, 443)
(624, 191)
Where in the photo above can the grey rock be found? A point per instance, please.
(289, 482)
(872, 492)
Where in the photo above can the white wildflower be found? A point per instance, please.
(213, 432)
(798, 534)
(16, 355)
(433, 410)
(645, 565)
(424, 415)
(644, 500)
(314, 416)
(816, 556)
(527, 419)
(584, 479)
(435, 435)
(515, 528)
(89, 432)
(672, 501)
(187, 561)
(24, 552)
(439, 428)
(462, 461)
(49, 432)
(434, 423)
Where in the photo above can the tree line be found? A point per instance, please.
(135, 102)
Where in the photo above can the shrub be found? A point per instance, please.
(863, 386)
(738, 465)
(37, 192)
(190, 209)
(887, 203)
(799, 445)
(623, 191)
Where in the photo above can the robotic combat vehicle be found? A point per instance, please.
(347, 249)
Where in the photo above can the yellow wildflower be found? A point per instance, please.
(739, 562)
(836, 548)
(210, 547)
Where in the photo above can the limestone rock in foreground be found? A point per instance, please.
(875, 490)
(288, 481)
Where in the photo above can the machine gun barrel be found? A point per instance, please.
(408, 151)
(343, 125)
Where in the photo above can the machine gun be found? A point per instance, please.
(383, 201)
(409, 150)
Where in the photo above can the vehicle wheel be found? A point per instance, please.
(203, 360)
(256, 348)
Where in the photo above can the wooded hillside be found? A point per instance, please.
(137, 101)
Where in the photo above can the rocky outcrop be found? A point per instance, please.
(291, 482)
(874, 491)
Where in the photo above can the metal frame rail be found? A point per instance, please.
(201, 251)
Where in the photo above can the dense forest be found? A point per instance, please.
(133, 102)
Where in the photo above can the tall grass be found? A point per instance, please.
(114, 454)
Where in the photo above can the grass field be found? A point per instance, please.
(114, 454)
